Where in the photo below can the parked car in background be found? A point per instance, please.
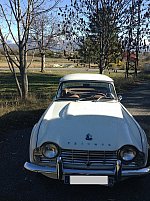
(86, 136)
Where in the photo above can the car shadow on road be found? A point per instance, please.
(17, 120)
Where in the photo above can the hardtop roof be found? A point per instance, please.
(86, 76)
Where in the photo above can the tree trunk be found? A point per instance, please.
(23, 71)
(100, 64)
(24, 83)
(89, 62)
(127, 64)
(42, 62)
(100, 69)
(136, 66)
(17, 84)
(127, 70)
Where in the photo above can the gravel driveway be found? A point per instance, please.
(18, 184)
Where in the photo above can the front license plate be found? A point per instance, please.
(103, 180)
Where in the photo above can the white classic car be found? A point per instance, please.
(86, 136)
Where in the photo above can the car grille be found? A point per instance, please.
(84, 159)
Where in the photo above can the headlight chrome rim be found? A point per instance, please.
(50, 146)
(128, 153)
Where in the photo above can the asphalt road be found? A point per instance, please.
(18, 184)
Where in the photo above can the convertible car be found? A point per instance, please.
(86, 136)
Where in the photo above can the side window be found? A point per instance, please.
(112, 90)
(58, 94)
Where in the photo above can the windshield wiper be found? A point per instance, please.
(102, 98)
(86, 98)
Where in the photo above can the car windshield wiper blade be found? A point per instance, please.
(102, 98)
(85, 98)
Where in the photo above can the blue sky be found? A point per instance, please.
(61, 4)
(13, 26)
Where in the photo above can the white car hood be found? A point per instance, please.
(68, 124)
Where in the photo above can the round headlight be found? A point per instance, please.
(128, 153)
(50, 150)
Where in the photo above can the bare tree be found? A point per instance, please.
(44, 34)
(18, 16)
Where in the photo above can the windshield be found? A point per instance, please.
(85, 90)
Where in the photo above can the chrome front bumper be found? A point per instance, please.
(60, 172)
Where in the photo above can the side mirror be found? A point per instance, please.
(119, 97)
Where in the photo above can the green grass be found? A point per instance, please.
(42, 88)
(18, 114)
